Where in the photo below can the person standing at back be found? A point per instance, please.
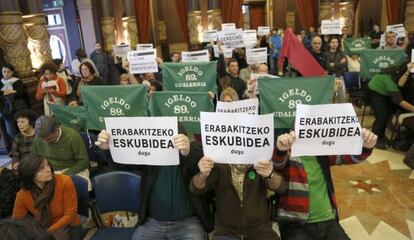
(100, 59)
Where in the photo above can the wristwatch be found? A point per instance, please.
(271, 175)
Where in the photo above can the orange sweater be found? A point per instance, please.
(61, 84)
(64, 205)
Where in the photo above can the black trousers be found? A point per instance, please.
(382, 107)
(328, 230)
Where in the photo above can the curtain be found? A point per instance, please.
(393, 11)
(183, 17)
(142, 11)
(231, 12)
(306, 13)
(356, 2)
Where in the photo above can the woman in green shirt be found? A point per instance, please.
(385, 93)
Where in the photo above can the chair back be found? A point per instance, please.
(81, 186)
(117, 191)
(351, 80)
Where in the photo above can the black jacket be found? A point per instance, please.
(201, 203)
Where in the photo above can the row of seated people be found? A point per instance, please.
(174, 200)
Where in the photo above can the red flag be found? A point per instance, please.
(299, 56)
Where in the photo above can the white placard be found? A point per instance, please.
(263, 30)
(228, 26)
(249, 35)
(231, 38)
(254, 80)
(195, 56)
(382, 40)
(209, 36)
(249, 38)
(142, 46)
(134, 141)
(249, 106)
(331, 27)
(227, 52)
(121, 51)
(398, 29)
(142, 61)
(326, 129)
(412, 59)
(237, 138)
(256, 55)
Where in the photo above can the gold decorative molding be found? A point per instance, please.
(409, 16)
(195, 26)
(162, 30)
(214, 19)
(346, 11)
(108, 32)
(130, 31)
(13, 43)
(38, 39)
(325, 11)
(269, 13)
(290, 19)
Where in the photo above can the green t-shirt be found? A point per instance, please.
(383, 84)
(68, 153)
(320, 208)
(169, 200)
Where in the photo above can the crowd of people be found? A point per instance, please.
(198, 196)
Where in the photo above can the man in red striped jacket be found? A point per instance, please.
(307, 209)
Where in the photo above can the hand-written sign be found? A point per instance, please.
(331, 27)
(142, 61)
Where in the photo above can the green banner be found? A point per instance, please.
(73, 117)
(113, 101)
(280, 96)
(373, 60)
(356, 45)
(185, 105)
(190, 76)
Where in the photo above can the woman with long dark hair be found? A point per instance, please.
(13, 97)
(50, 198)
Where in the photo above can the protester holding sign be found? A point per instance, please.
(385, 92)
(51, 88)
(390, 41)
(166, 198)
(240, 190)
(307, 209)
